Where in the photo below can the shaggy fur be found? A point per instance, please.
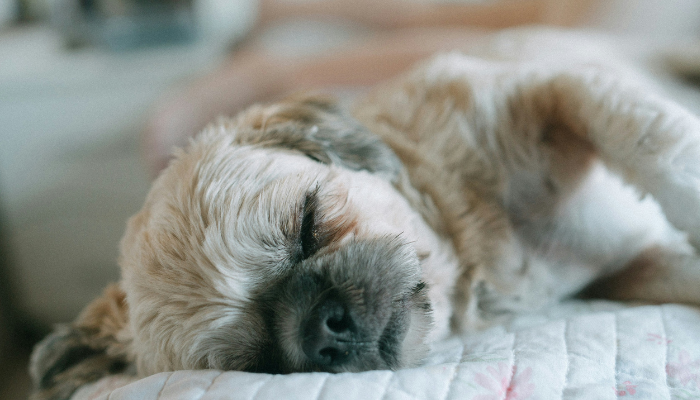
(295, 238)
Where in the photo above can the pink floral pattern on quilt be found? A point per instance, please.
(505, 383)
(684, 370)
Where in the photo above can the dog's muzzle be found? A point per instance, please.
(349, 309)
(331, 337)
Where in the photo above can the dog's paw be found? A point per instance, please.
(83, 352)
(67, 359)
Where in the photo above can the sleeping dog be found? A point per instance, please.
(301, 237)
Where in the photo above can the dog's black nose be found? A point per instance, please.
(330, 335)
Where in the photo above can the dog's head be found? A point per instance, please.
(278, 242)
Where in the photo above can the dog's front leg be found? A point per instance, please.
(652, 142)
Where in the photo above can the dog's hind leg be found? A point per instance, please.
(658, 274)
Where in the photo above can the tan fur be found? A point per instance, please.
(108, 317)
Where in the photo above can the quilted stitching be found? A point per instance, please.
(666, 349)
(204, 393)
(403, 392)
(642, 371)
(568, 360)
(257, 391)
(386, 388)
(450, 383)
(551, 349)
(323, 385)
(617, 348)
(164, 385)
(512, 366)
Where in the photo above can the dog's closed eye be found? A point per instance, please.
(309, 231)
(314, 229)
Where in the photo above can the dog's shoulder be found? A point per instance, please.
(427, 116)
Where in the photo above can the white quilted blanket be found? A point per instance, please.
(575, 350)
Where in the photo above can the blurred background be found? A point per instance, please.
(79, 80)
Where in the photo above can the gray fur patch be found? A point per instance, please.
(318, 128)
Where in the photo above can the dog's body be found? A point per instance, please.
(292, 238)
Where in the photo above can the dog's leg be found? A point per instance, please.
(658, 274)
(652, 142)
(83, 352)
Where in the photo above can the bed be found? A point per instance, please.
(574, 350)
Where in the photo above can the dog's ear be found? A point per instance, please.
(323, 131)
(94, 346)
